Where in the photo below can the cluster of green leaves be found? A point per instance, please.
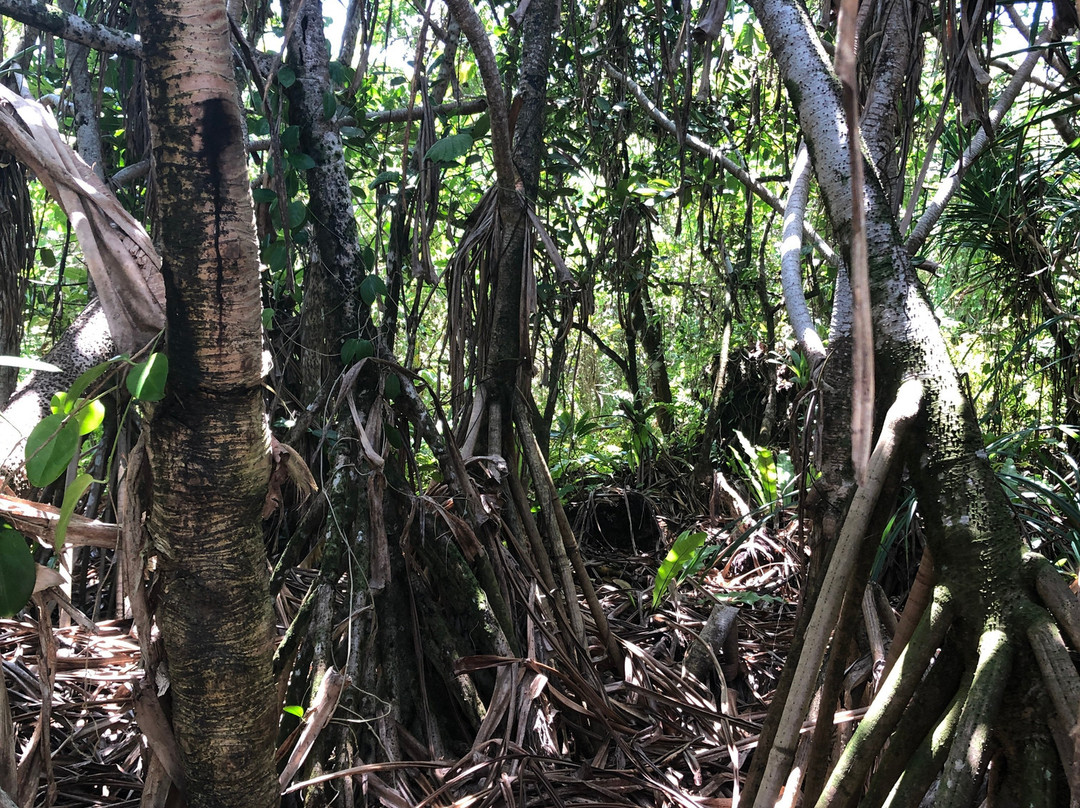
(53, 446)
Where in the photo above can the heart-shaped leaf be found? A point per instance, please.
(146, 380)
(49, 449)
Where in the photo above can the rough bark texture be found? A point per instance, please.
(209, 446)
(16, 248)
(969, 526)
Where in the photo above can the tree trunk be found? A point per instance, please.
(983, 616)
(209, 445)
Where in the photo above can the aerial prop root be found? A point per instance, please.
(889, 705)
(826, 611)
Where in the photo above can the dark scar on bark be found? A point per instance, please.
(220, 131)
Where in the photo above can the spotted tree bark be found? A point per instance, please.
(993, 633)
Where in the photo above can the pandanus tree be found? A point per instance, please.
(992, 618)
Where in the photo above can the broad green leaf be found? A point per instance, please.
(268, 319)
(89, 415)
(72, 496)
(48, 257)
(293, 709)
(367, 255)
(392, 386)
(263, 196)
(87, 378)
(371, 287)
(290, 138)
(301, 161)
(481, 127)
(297, 213)
(329, 104)
(17, 574)
(146, 380)
(384, 177)
(680, 555)
(450, 149)
(286, 76)
(353, 350)
(29, 364)
(49, 449)
(275, 256)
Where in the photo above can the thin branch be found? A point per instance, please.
(468, 107)
(980, 142)
(718, 155)
(791, 261)
(72, 27)
(473, 28)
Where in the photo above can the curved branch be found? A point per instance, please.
(980, 142)
(791, 264)
(72, 27)
(474, 31)
(713, 153)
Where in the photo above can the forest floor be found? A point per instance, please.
(649, 735)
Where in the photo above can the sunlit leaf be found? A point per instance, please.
(680, 555)
(72, 496)
(146, 380)
(49, 449)
(29, 364)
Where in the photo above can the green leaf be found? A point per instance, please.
(87, 378)
(680, 555)
(371, 287)
(353, 350)
(293, 709)
(290, 138)
(384, 177)
(329, 104)
(276, 256)
(301, 162)
(286, 76)
(450, 149)
(72, 496)
(49, 449)
(89, 415)
(263, 196)
(297, 213)
(481, 127)
(17, 574)
(392, 386)
(48, 257)
(146, 380)
(268, 319)
(29, 364)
